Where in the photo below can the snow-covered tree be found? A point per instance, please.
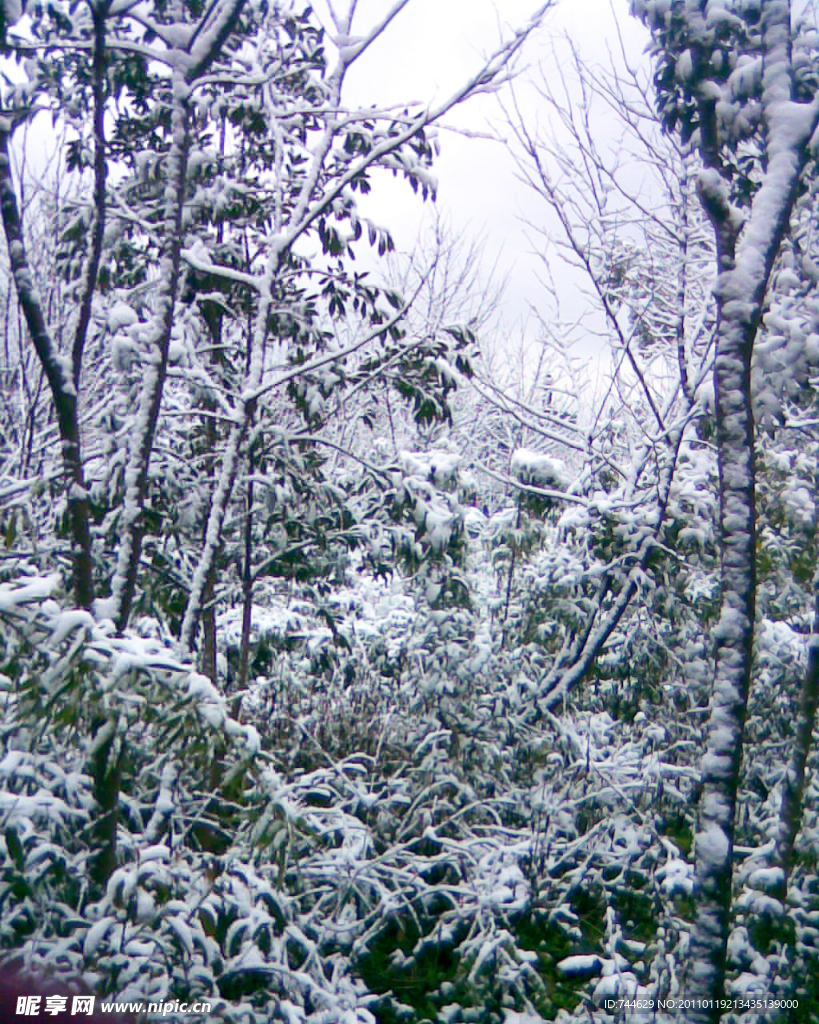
(216, 144)
(738, 83)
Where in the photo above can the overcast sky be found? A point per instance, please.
(430, 49)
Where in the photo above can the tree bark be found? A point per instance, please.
(734, 647)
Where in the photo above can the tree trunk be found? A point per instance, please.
(210, 37)
(105, 770)
(746, 250)
(139, 456)
(59, 377)
(734, 645)
(209, 646)
(213, 532)
(790, 814)
(92, 265)
(247, 589)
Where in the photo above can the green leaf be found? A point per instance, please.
(11, 530)
(15, 848)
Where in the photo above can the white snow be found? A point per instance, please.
(581, 964)
(539, 470)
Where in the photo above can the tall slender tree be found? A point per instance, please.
(733, 80)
